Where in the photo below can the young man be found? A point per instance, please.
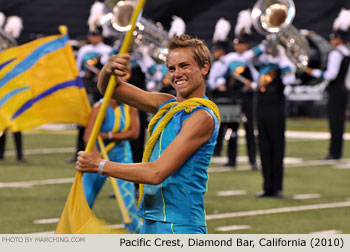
(176, 172)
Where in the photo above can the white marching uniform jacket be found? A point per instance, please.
(335, 59)
(217, 76)
(101, 48)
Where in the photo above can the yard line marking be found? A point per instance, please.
(339, 164)
(220, 169)
(36, 182)
(320, 162)
(43, 151)
(306, 196)
(231, 192)
(277, 210)
(305, 135)
(231, 228)
(343, 166)
(327, 232)
(312, 135)
(244, 159)
(46, 221)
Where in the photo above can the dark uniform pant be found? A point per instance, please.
(336, 115)
(271, 127)
(17, 136)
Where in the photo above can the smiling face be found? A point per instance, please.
(185, 74)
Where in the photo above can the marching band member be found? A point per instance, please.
(216, 81)
(224, 76)
(337, 68)
(275, 71)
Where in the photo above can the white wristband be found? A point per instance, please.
(110, 135)
(100, 167)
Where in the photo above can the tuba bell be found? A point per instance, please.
(148, 35)
(274, 18)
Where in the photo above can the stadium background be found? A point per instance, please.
(42, 17)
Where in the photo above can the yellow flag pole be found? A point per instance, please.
(79, 218)
(113, 79)
(118, 195)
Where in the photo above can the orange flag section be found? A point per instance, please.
(78, 218)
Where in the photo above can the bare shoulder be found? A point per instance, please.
(159, 98)
(201, 122)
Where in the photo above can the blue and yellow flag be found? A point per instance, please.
(40, 83)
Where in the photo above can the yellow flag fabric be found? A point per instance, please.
(40, 83)
(78, 218)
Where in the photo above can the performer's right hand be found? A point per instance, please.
(88, 162)
(118, 64)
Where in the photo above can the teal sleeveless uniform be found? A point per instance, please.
(177, 204)
(116, 121)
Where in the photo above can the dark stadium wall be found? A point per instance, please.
(42, 17)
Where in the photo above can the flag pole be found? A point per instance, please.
(115, 186)
(79, 218)
(113, 79)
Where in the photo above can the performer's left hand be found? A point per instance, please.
(88, 162)
(308, 70)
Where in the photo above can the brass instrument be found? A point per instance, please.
(273, 18)
(148, 35)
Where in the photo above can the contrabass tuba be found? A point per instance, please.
(273, 18)
(148, 35)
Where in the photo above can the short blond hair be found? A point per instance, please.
(200, 50)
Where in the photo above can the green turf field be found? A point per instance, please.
(23, 204)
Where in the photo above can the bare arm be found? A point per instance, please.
(196, 130)
(125, 92)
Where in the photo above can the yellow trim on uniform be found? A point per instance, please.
(127, 117)
(117, 122)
